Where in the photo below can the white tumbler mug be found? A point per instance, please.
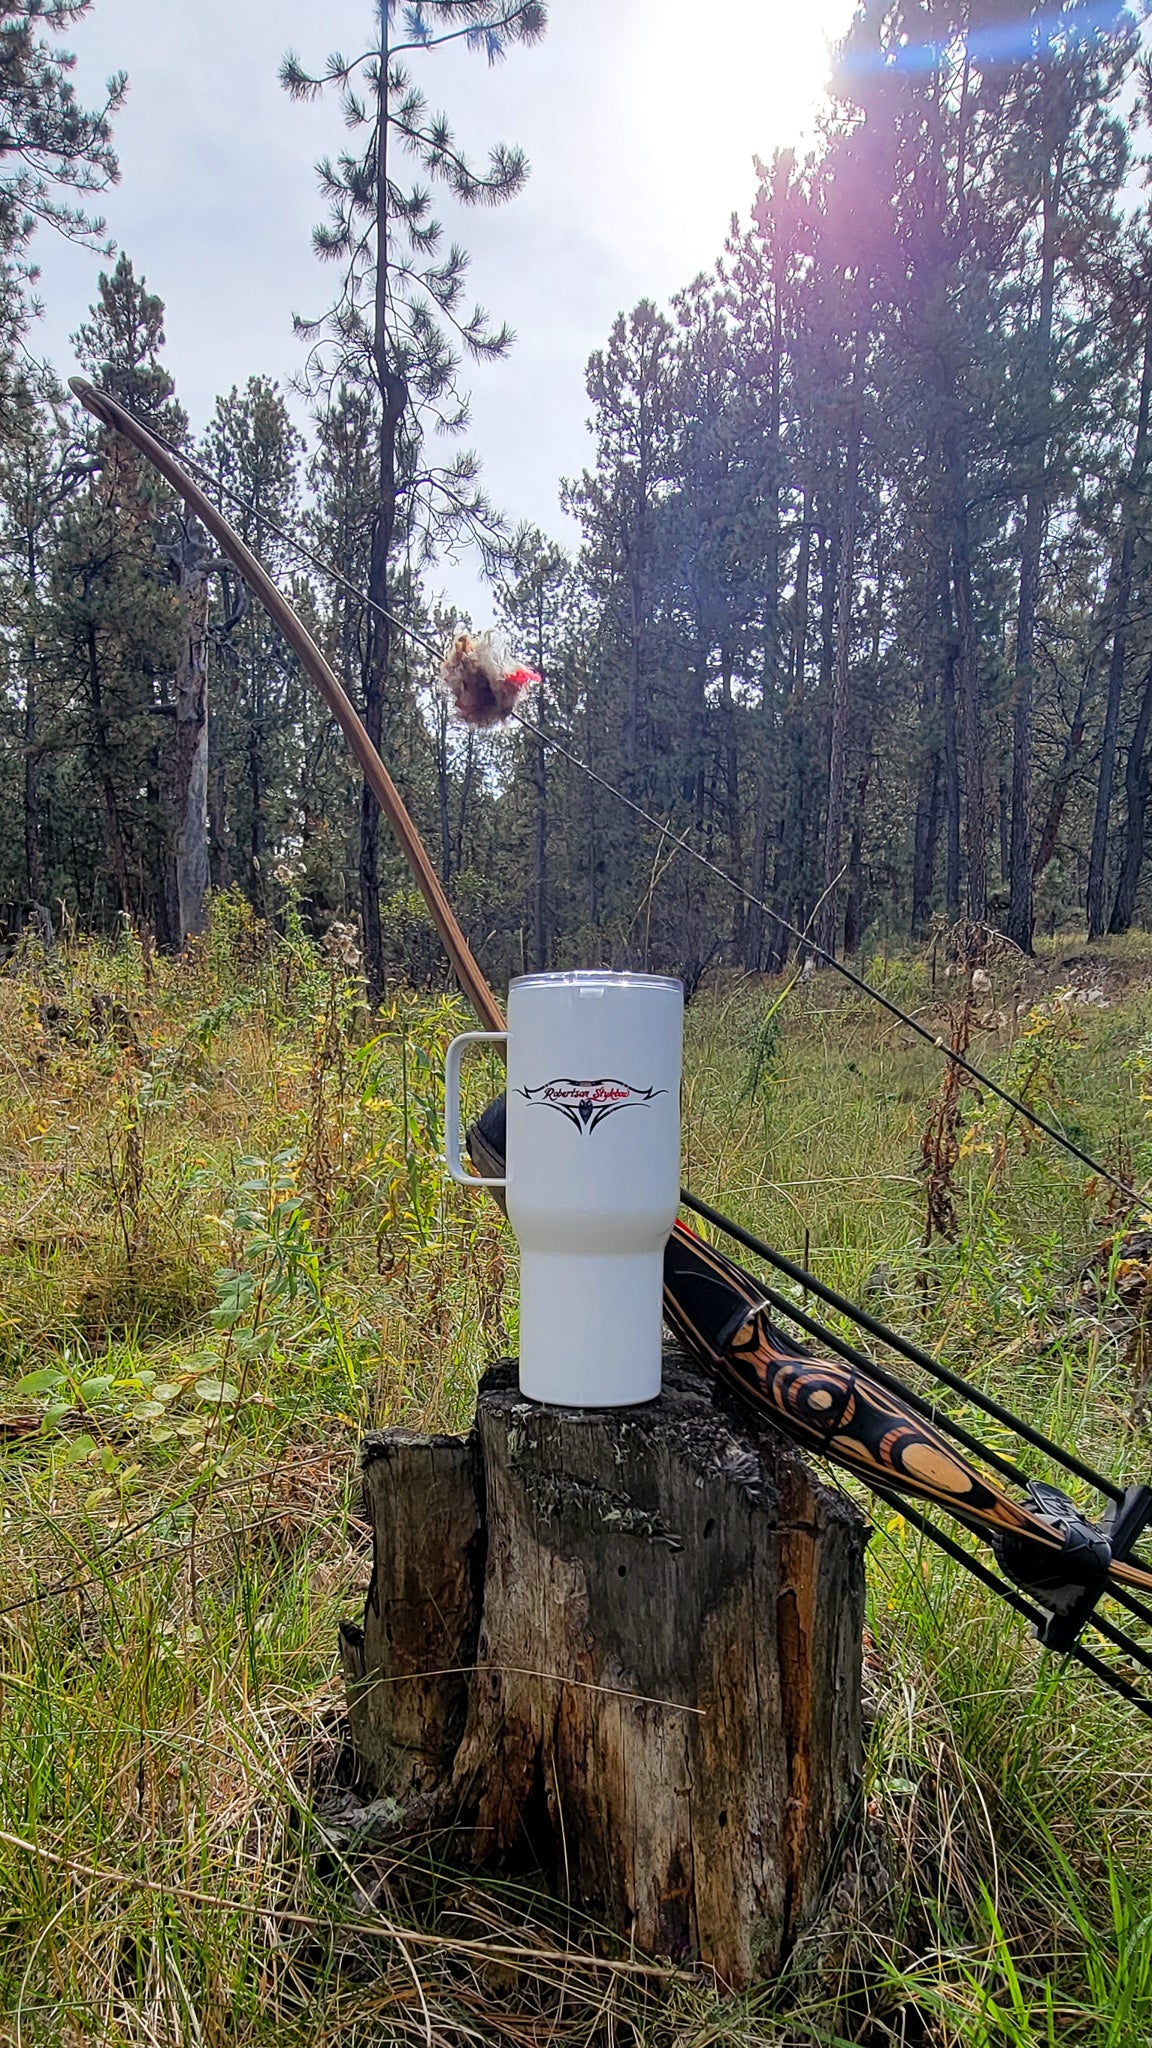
(592, 1175)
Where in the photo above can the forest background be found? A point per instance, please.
(861, 602)
(861, 611)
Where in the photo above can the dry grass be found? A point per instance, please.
(225, 1246)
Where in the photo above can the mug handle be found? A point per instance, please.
(452, 1139)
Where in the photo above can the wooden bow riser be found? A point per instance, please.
(719, 1315)
(828, 1406)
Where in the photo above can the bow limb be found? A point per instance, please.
(284, 618)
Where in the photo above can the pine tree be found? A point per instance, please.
(252, 757)
(1065, 162)
(401, 320)
(630, 386)
(1131, 302)
(116, 621)
(762, 276)
(41, 467)
(55, 154)
(531, 600)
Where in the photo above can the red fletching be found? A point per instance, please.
(479, 682)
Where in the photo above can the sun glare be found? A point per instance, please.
(716, 87)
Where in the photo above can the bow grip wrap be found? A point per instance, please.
(1059, 1579)
(1070, 1584)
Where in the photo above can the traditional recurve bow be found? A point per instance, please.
(716, 1309)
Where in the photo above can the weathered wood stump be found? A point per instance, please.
(622, 1648)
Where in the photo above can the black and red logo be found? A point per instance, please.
(587, 1103)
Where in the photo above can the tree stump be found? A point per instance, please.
(621, 1648)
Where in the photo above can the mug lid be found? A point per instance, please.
(595, 977)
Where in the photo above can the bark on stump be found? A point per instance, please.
(622, 1648)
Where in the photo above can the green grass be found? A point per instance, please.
(226, 1247)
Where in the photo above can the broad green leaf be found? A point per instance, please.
(221, 1392)
(80, 1448)
(45, 1381)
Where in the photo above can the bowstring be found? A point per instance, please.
(857, 981)
(849, 974)
(1077, 1650)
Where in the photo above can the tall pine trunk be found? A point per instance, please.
(636, 616)
(771, 688)
(102, 762)
(1118, 600)
(33, 820)
(951, 771)
(937, 727)
(220, 856)
(967, 685)
(257, 797)
(1136, 792)
(443, 791)
(33, 829)
(926, 835)
(464, 808)
(854, 904)
(790, 821)
(1061, 788)
(1020, 910)
(732, 804)
(540, 870)
(190, 763)
(841, 675)
(393, 394)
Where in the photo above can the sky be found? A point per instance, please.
(641, 120)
